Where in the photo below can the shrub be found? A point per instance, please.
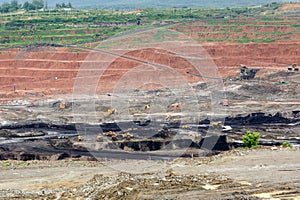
(6, 163)
(286, 144)
(250, 139)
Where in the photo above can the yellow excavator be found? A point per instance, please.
(127, 136)
(112, 135)
(79, 138)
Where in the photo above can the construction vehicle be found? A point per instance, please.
(225, 103)
(111, 111)
(114, 138)
(147, 106)
(127, 136)
(62, 105)
(112, 135)
(99, 138)
(186, 127)
(216, 124)
(284, 83)
(296, 68)
(62, 137)
(79, 138)
(247, 73)
(293, 67)
(219, 125)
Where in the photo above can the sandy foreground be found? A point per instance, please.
(263, 173)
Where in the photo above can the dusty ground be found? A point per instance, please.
(243, 174)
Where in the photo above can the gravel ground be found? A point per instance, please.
(263, 173)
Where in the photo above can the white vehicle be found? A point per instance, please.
(226, 128)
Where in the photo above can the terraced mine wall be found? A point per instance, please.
(263, 118)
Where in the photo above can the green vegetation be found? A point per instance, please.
(286, 144)
(6, 164)
(63, 5)
(10, 7)
(35, 5)
(248, 40)
(15, 6)
(133, 4)
(15, 163)
(250, 139)
(70, 26)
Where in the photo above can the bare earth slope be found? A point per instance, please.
(46, 71)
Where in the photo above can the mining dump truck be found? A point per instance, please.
(247, 73)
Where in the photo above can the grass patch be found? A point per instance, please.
(86, 26)
(256, 40)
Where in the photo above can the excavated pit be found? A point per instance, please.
(31, 140)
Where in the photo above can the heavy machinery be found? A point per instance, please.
(219, 125)
(148, 106)
(111, 111)
(216, 124)
(79, 138)
(293, 67)
(247, 73)
(186, 127)
(127, 136)
(99, 138)
(112, 135)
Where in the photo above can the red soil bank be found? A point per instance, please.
(53, 71)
